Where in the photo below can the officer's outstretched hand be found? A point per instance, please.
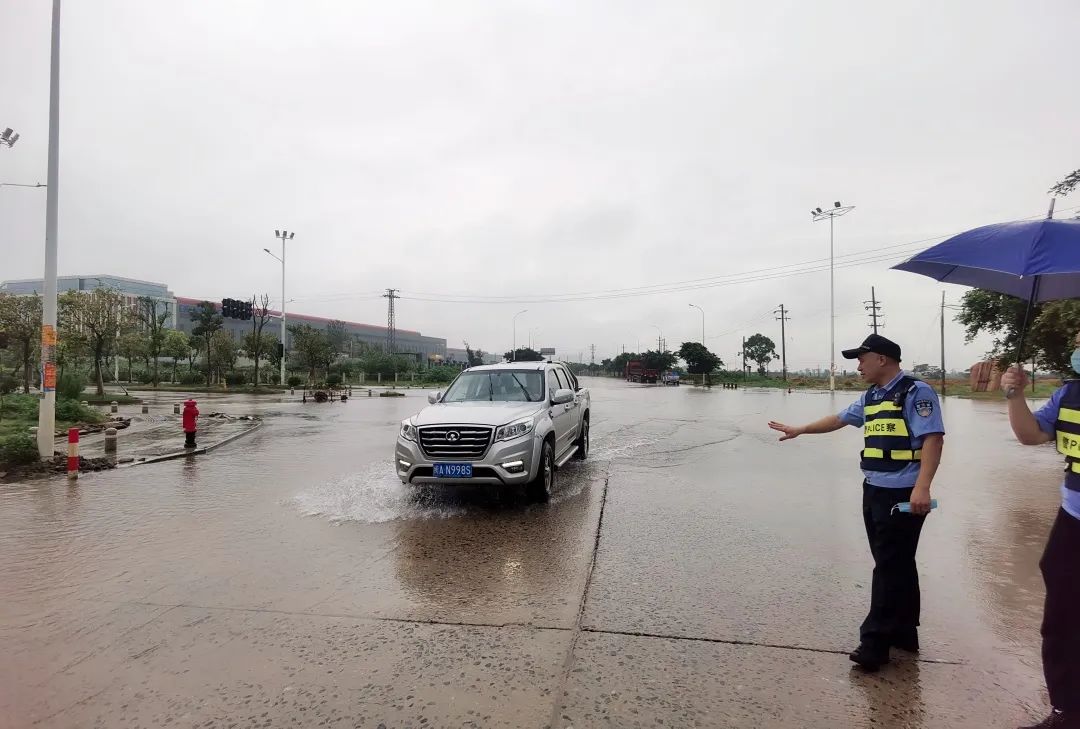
(788, 431)
(1014, 379)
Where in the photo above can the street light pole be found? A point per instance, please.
(513, 350)
(47, 410)
(832, 213)
(283, 235)
(695, 306)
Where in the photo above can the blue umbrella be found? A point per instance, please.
(1037, 260)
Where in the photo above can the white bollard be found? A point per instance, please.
(114, 406)
(110, 441)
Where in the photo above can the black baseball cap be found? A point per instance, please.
(878, 345)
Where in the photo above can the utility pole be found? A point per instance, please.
(592, 354)
(391, 296)
(47, 408)
(874, 307)
(743, 353)
(783, 317)
(943, 344)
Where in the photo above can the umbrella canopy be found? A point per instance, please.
(1040, 257)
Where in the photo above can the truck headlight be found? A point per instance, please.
(408, 431)
(515, 429)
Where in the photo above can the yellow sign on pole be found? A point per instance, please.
(48, 335)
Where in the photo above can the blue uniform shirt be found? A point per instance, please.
(1047, 415)
(919, 425)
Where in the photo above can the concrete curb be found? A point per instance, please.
(196, 451)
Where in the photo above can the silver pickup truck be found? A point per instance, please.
(510, 424)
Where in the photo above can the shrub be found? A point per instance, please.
(74, 411)
(18, 448)
(144, 378)
(295, 380)
(235, 378)
(441, 374)
(333, 379)
(70, 387)
(8, 385)
(192, 378)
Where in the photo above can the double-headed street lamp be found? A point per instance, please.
(695, 306)
(831, 214)
(282, 235)
(513, 352)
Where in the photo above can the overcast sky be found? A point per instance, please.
(464, 150)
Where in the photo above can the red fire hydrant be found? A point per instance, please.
(190, 414)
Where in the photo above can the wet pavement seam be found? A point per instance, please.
(752, 644)
(345, 616)
(568, 662)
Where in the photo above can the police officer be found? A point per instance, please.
(1058, 420)
(903, 434)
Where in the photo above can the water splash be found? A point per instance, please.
(373, 495)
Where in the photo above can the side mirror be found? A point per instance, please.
(434, 397)
(562, 397)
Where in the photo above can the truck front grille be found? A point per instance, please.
(465, 442)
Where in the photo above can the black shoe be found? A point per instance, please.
(870, 657)
(906, 640)
(1057, 720)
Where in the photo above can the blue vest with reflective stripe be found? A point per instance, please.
(1067, 433)
(887, 437)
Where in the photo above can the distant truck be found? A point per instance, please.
(637, 372)
(671, 378)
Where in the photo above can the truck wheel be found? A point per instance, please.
(582, 442)
(540, 488)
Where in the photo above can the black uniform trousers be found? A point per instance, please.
(894, 538)
(1060, 566)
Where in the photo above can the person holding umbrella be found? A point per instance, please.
(1035, 261)
(904, 435)
(1057, 420)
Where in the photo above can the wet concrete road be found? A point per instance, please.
(691, 572)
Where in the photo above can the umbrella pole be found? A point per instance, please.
(1024, 327)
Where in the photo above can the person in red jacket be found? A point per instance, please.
(190, 414)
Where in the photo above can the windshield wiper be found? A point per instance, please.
(527, 398)
(491, 390)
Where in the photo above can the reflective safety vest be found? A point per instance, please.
(1067, 429)
(887, 438)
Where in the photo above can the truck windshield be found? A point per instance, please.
(502, 386)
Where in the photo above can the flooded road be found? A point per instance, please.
(691, 572)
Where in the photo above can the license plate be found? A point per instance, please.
(453, 470)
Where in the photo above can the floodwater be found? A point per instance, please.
(691, 572)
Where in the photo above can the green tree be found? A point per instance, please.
(475, 356)
(760, 350)
(658, 361)
(1050, 333)
(20, 319)
(312, 348)
(524, 354)
(207, 322)
(1067, 185)
(177, 346)
(273, 354)
(132, 345)
(699, 360)
(256, 343)
(151, 317)
(224, 353)
(337, 336)
(100, 316)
